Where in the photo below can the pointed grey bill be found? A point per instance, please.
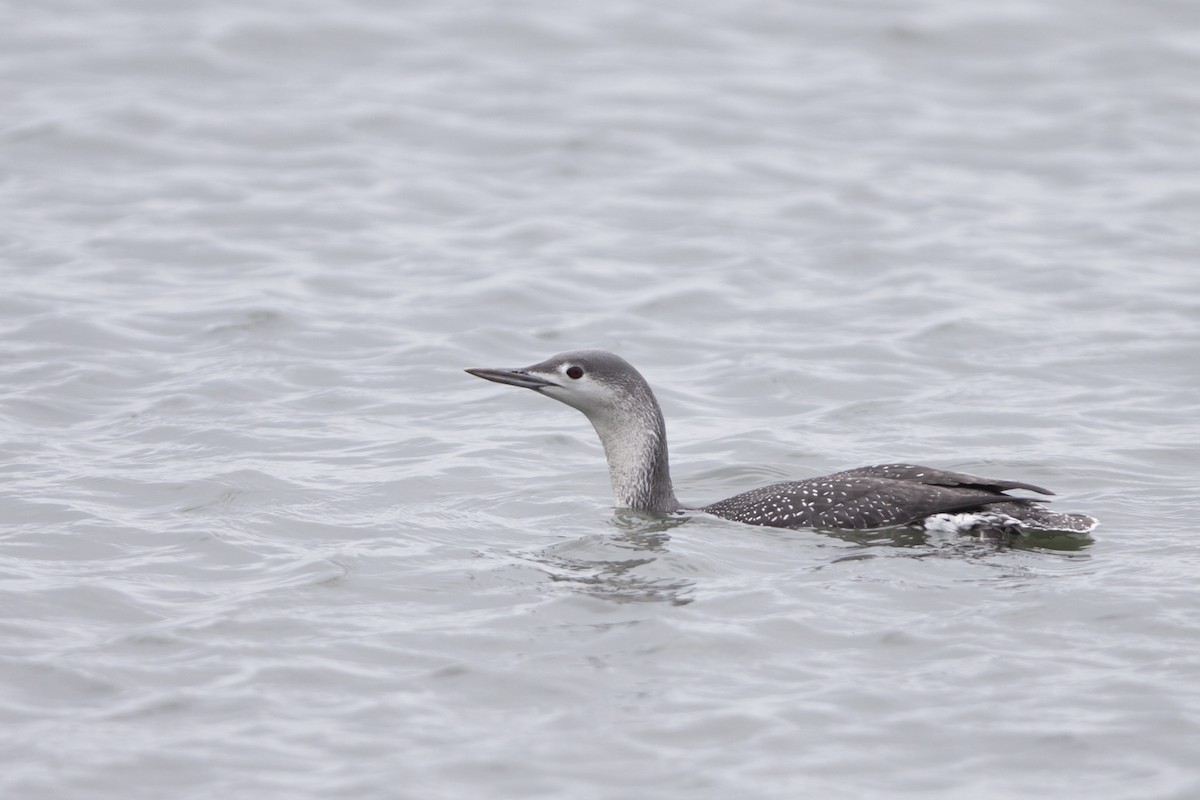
(512, 377)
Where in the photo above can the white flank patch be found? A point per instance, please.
(961, 523)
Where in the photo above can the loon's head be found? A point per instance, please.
(618, 402)
(598, 383)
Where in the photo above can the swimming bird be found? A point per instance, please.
(622, 408)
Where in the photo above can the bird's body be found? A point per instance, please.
(622, 408)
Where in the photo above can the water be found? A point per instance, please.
(263, 538)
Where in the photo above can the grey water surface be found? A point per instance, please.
(261, 537)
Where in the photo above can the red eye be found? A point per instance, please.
(574, 372)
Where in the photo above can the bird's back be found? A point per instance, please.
(885, 495)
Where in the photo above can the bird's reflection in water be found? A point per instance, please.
(622, 566)
(629, 564)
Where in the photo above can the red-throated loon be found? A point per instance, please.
(622, 408)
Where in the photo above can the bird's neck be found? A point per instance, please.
(636, 447)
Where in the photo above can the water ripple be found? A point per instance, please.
(262, 537)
